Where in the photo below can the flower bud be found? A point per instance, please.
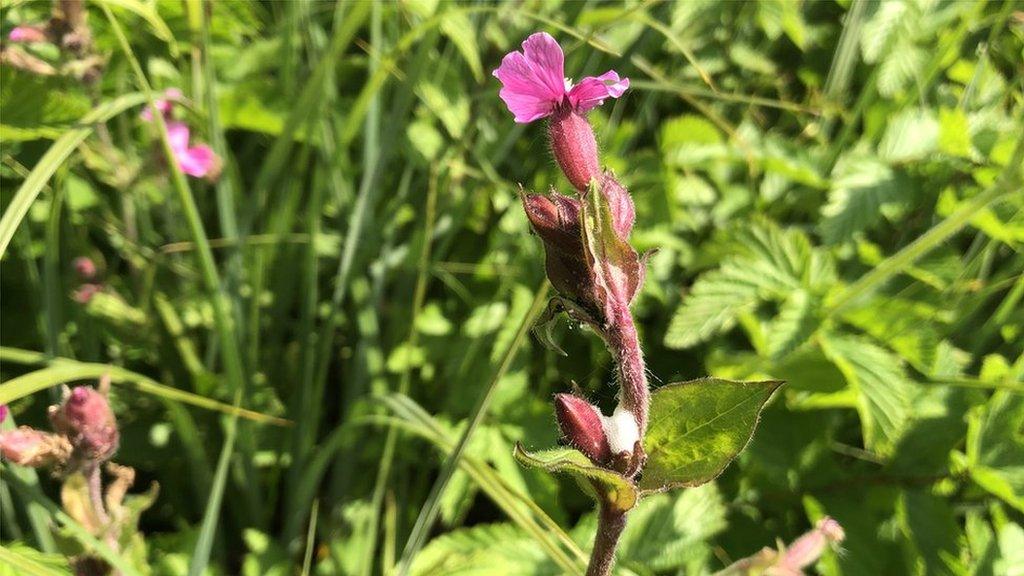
(86, 419)
(574, 147)
(580, 423)
(84, 267)
(806, 549)
(27, 34)
(29, 447)
(620, 203)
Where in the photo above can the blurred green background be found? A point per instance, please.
(833, 187)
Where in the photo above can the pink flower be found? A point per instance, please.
(580, 423)
(3, 413)
(27, 34)
(534, 84)
(163, 105)
(196, 160)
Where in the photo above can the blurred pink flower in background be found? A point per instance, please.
(84, 293)
(163, 105)
(198, 160)
(534, 84)
(3, 413)
(84, 267)
(27, 34)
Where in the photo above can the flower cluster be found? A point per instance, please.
(199, 160)
(588, 258)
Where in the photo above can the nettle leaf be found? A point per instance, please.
(615, 488)
(773, 263)
(883, 391)
(698, 427)
(911, 135)
(995, 447)
(863, 189)
(667, 530)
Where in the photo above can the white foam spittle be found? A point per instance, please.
(621, 430)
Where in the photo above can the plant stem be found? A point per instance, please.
(624, 343)
(610, 525)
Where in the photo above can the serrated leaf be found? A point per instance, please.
(911, 135)
(697, 428)
(615, 489)
(796, 322)
(995, 447)
(899, 67)
(664, 529)
(17, 559)
(931, 526)
(882, 389)
(863, 187)
(772, 264)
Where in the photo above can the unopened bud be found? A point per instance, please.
(574, 147)
(580, 423)
(806, 549)
(86, 419)
(84, 293)
(84, 267)
(29, 447)
(620, 203)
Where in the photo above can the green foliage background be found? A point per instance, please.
(834, 188)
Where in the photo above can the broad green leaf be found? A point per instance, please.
(614, 488)
(882, 389)
(697, 428)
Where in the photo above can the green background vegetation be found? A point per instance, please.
(833, 188)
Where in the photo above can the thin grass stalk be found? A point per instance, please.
(432, 506)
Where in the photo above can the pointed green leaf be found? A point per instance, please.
(615, 488)
(698, 427)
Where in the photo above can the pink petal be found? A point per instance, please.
(591, 92)
(27, 34)
(3, 413)
(196, 161)
(163, 105)
(532, 80)
(177, 133)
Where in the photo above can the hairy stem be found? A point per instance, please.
(624, 344)
(610, 525)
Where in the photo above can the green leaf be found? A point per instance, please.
(456, 25)
(17, 559)
(995, 447)
(499, 549)
(911, 135)
(883, 391)
(933, 530)
(863, 188)
(698, 427)
(797, 320)
(615, 489)
(772, 264)
(665, 530)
